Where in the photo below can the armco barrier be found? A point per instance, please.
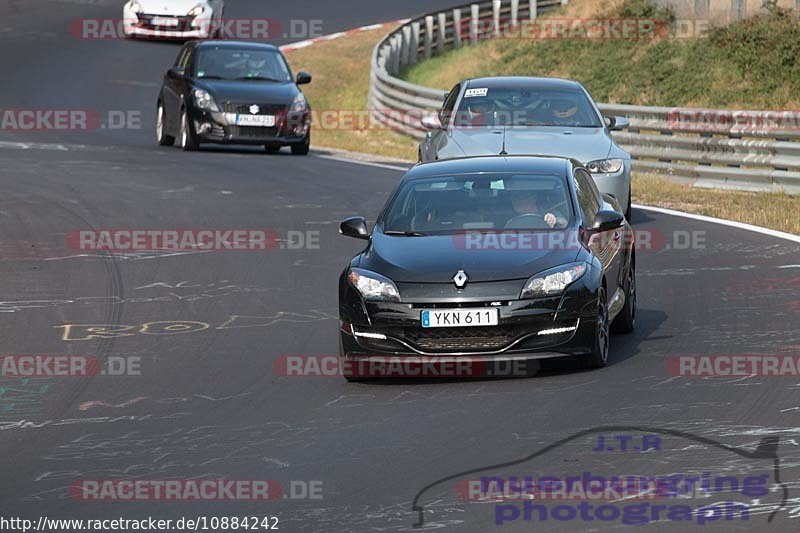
(761, 158)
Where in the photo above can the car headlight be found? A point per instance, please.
(197, 10)
(553, 281)
(299, 104)
(204, 100)
(135, 6)
(373, 286)
(605, 166)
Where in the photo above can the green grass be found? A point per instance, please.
(749, 64)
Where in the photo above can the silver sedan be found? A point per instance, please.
(530, 116)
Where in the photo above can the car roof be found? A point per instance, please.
(235, 44)
(551, 165)
(522, 81)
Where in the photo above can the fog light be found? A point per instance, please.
(205, 127)
(369, 335)
(556, 331)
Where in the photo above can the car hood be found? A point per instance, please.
(583, 144)
(250, 92)
(168, 7)
(436, 259)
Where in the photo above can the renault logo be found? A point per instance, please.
(254, 109)
(460, 279)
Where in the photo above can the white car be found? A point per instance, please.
(172, 19)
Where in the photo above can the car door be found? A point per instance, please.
(436, 139)
(173, 88)
(606, 246)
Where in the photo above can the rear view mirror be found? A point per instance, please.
(303, 78)
(355, 227)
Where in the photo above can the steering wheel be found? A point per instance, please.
(527, 221)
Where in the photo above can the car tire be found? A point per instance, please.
(598, 358)
(304, 147)
(188, 140)
(625, 322)
(272, 148)
(161, 128)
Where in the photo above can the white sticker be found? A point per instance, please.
(476, 92)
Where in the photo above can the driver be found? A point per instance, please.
(527, 203)
(479, 111)
(563, 111)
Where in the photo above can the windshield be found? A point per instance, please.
(241, 64)
(450, 204)
(526, 106)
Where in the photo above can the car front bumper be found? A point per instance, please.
(220, 128)
(140, 25)
(560, 326)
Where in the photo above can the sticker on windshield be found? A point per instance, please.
(476, 92)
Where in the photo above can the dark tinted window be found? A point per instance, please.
(448, 204)
(229, 63)
(588, 195)
(449, 104)
(526, 106)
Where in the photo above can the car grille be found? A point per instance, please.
(244, 109)
(184, 22)
(463, 339)
(253, 132)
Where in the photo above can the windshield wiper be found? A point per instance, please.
(211, 78)
(259, 78)
(404, 233)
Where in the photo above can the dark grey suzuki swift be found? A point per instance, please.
(495, 258)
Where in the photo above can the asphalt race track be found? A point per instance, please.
(209, 403)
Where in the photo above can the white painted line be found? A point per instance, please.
(365, 163)
(723, 222)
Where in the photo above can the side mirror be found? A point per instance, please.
(431, 122)
(303, 78)
(607, 220)
(616, 123)
(176, 73)
(355, 227)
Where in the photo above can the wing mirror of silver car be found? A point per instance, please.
(355, 227)
(616, 122)
(431, 122)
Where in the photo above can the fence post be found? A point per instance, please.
(475, 11)
(428, 36)
(456, 28)
(532, 10)
(412, 58)
(405, 51)
(496, 18)
(514, 12)
(442, 31)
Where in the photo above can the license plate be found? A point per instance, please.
(164, 21)
(263, 121)
(459, 318)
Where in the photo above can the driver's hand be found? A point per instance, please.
(551, 220)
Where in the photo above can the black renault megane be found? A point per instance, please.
(230, 92)
(497, 258)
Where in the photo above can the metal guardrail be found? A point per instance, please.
(745, 150)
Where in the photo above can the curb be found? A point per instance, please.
(333, 36)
